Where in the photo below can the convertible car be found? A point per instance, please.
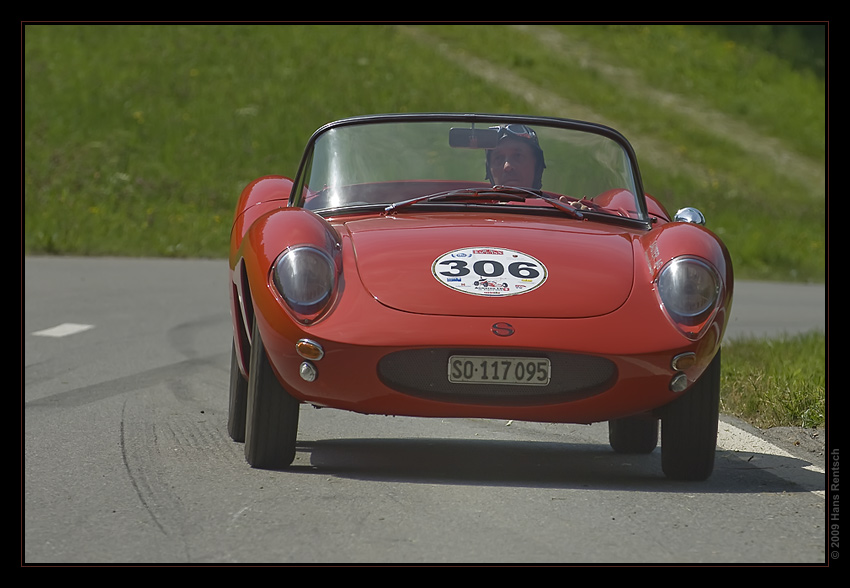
(471, 265)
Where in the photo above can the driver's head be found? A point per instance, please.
(517, 160)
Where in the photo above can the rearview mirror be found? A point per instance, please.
(473, 138)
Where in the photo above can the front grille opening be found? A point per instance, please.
(424, 373)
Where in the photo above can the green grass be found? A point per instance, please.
(728, 129)
(776, 382)
(139, 138)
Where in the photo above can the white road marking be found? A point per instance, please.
(63, 330)
(764, 455)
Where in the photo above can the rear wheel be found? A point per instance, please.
(238, 400)
(272, 414)
(689, 428)
(633, 434)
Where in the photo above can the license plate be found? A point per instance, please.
(477, 369)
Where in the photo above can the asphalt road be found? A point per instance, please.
(126, 457)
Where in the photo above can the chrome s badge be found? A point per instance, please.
(502, 329)
(489, 271)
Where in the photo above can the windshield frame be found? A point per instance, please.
(297, 193)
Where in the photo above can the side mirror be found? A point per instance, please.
(473, 138)
(689, 215)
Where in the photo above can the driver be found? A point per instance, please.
(517, 160)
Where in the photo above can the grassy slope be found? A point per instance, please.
(139, 138)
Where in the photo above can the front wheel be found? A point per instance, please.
(238, 400)
(689, 428)
(272, 414)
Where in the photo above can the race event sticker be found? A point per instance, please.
(489, 271)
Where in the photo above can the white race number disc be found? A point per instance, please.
(489, 271)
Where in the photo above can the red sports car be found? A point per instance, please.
(469, 265)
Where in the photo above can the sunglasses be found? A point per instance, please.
(517, 130)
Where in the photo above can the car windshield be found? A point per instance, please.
(408, 162)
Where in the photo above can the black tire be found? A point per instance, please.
(633, 434)
(238, 400)
(689, 428)
(272, 414)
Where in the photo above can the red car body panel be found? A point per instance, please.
(599, 300)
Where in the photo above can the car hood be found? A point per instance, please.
(532, 268)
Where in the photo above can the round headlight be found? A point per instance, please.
(305, 277)
(689, 289)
